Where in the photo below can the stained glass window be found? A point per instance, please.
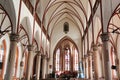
(57, 59)
(1, 53)
(1, 57)
(67, 59)
(76, 60)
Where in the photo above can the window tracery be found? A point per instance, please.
(66, 57)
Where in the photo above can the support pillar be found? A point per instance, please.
(87, 68)
(117, 67)
(44, 66)
(84, 64)
(95, 58)
(90, 67)
(38, 65)
(102, 63)
(118, 70)
(21, 69)
(47, 66)
(29, 62)
(12, 55)
(106, 57)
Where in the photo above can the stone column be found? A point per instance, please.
(38, 64)
(106, 57)
(47, 66)
(117, 67)
(11, 58)
(87, 67)
(44, 66)
(102, 63)
(96, 61)
(21, 69)
(90, 67)
(84, 65)
(29, 62)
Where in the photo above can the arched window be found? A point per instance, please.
(67, 59)
(1, 56)
(57, 60)
(76, 60)
(66, 27)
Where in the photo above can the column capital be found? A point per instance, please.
(105, 37)
(30, 47)
(95, 47)
(38, 53)
(90, 53)
(83, 59)
(48, 58)
(85, 56)
(43, 56)
(14, 37)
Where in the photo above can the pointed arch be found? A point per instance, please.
(64, 55)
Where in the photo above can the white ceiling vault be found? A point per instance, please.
(75, 12)
(54, 13)
(81, 16)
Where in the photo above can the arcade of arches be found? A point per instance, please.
(73, 39)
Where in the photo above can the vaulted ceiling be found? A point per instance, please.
(76, 12)
(54, 13)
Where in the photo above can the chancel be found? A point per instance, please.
(59, 39)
